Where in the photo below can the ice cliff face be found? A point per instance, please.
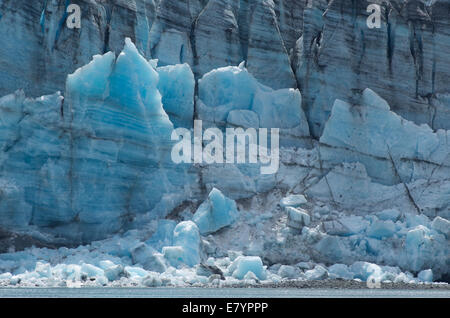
(204, 34)
(404, 60)
(363, 117)
(323, 47)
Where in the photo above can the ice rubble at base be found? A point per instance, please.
(176, 254)
(340, 218)
(114, 265)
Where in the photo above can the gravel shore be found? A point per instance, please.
(344, 284)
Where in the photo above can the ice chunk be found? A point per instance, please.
(244, 264)
(286, 271)
(243, 118)
(91, 158)
(389, 214)
(311, 235)
(91, 270)
(354, 223)
(215, 213)
(92, 79)
(135, 272)
(250, 278)
(294, 200)
(229, 92)
(413, 220)
(402, 278)
(115, 272)
(426, 275)
(335, 227)
(345, 226)
(152, 280)
(177, 86)
(317, 273)
(441, 225)
(390, 273)
(186, 234)
(381, 229)
(280, 109)
(332, 248)
(148, 258)
(127, 119)
(231, 85)
(163, 235)
(340, 271)
(364, 270)
(297, 218)
(186, 249)
(45, 270)
(419, 247)
(6, 276)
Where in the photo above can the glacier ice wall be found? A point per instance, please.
(322, 47)
(404, 60)
(92, 160)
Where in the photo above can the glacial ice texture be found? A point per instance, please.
(363, 188)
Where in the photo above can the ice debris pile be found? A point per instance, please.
(122, 261)
(369, 200)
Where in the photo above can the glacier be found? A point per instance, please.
(93, 168)
(89, 195)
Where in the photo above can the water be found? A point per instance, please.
(218, 293)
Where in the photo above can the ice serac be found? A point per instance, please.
(120, 140)
(243, 265)
(87, 165)
(177, 87)
(186, 248)
(232, 95)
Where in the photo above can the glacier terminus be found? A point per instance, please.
(224, 143)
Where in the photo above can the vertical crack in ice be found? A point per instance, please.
(408, 192)
(42, 19)
(390, 47)
(109, 12)
(324, 174)
(416, 49)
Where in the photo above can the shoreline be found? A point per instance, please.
(337, 284)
